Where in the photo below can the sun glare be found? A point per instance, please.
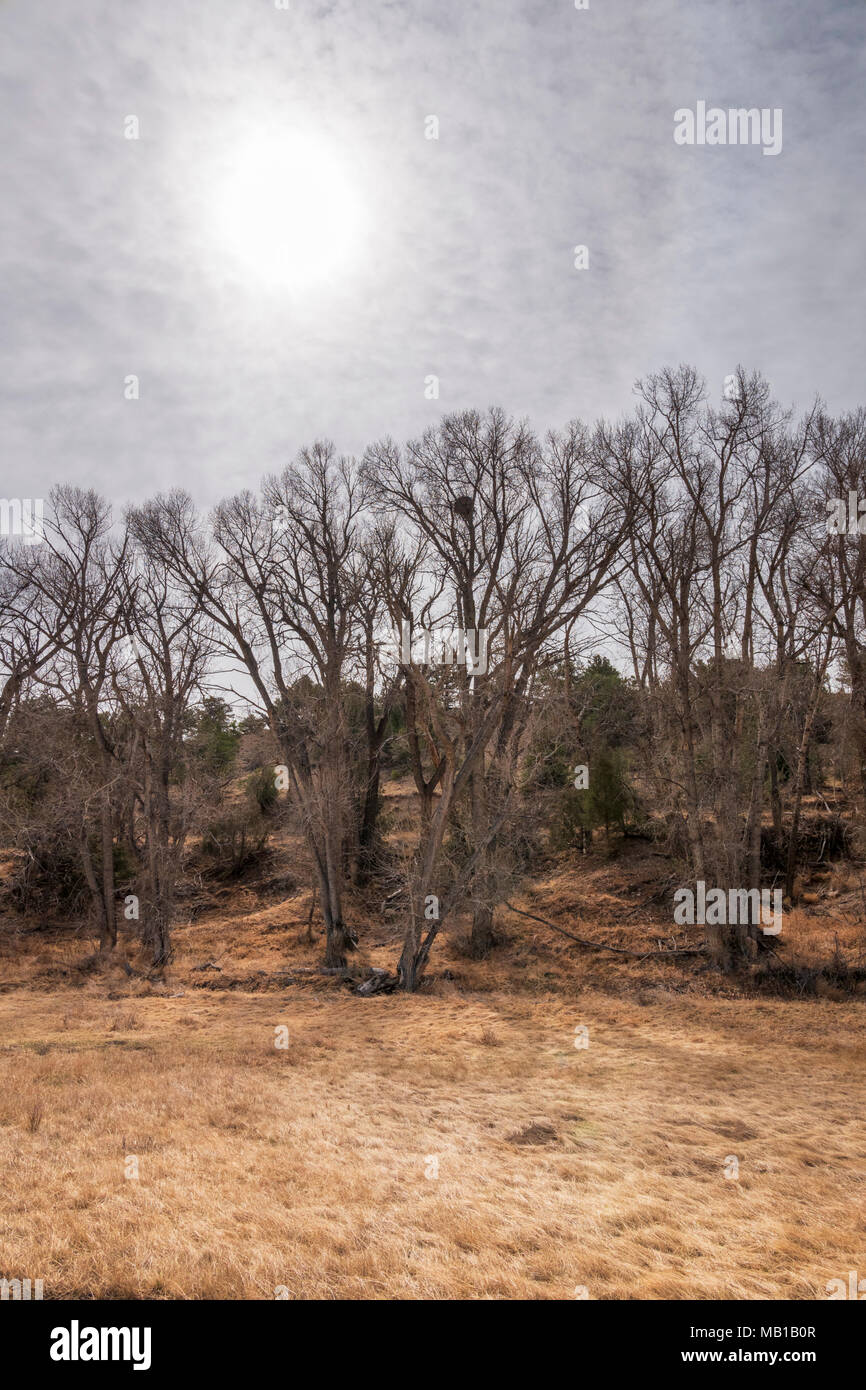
(288, 212)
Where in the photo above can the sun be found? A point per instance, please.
(288, 212)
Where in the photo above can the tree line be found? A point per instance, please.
(692, 541)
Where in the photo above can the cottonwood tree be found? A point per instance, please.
(280, 578)
(837, 579)
(710, 552)
(156, 671)
(667, 556)
(794, 654)
(77, 578)
(381, 686)
(503, 525)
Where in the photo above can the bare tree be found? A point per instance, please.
(77, 577)
(279, 579)
(717, 498)
(511, 553)
(155, 672)
(838, 580)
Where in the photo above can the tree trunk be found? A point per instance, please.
(367, 828)
(482, 939)
(800, 777)
(481, 936)
(775, 798)
(108, 935)
(413, 956)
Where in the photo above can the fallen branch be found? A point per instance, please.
(380, 982)
(601, 945)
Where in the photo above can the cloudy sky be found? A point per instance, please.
(283, 253)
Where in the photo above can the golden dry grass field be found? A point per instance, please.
(455, 1144)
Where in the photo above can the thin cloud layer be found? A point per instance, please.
(555, 129)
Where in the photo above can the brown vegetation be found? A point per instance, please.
(304, 1168)
(233, 819)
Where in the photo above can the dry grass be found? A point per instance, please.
(306, 1167)
(311, 1168)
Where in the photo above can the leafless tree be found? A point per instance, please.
(156, 670)
(513, 557)
(838, 580)
(280, 578)
(76, 577)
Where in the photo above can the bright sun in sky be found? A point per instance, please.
(288, 212)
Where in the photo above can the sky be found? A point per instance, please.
(263, 299)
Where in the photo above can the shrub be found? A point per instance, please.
(261, 790)
(214, 735)
(234, 842)
(608, 800)
(48, 877)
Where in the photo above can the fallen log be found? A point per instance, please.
(602, 946)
